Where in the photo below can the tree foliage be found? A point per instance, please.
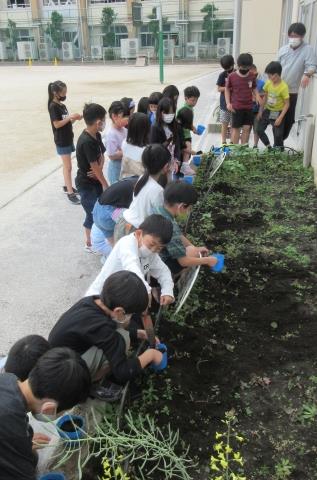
(55, 29)
(211, 22)
(107, 20)
(12, 34)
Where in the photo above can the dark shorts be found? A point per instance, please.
(241, 118)
(65, 150)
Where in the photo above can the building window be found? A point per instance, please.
(106, 1)
(120, 32)
(24, 35)
(54, 3)
(18, 3)
(148, 39)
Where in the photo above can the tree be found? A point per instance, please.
(154, 27)
(210, 23)
(55, 29)
(107, 20)
(12, 35)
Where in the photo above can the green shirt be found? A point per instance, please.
(186, 131)
(175, 248)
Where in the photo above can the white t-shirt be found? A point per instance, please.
(125, 256)
(131, 160)
(148, 199)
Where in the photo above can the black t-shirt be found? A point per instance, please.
(221, 82)
(85, 325)
(16, 457)
(119, 194)
(64, 136)
(88, 150)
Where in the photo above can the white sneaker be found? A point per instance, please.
(186, 170)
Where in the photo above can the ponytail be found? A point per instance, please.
(54, 87)
(154, 159)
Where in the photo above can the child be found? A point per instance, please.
(274, 107)
(24, 354)
(154, 100)
(143, 106)
(109, 207)
(62, 122)
(114, 139)
(59, 381)
(133, 147)
(138, 253)
(90, 179)
(129, 105)
(256, 106)
(239, 92)
(227, 63)
(191, 95)
(148, 194)
(185, 117)
(180, 253)
(100, 245)
(165, 130)
(98, 329)
(172, 93)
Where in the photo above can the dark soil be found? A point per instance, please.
(247, 338)
(71, 426)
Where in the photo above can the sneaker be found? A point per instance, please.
(74, 190)
(72, 197)
(186, 170)
(109, 393)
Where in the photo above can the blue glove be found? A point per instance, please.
(162, 348)
(220, 263)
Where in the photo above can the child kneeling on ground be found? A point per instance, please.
(138, 253)
(97, 327)
(180, 253)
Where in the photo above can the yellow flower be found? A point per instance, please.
(228, 449)
(239, 438)
(219, 478)
(224, 463)
(213, 459)
(214, 467)
(237, 458)
(218, 447)
(221, 456)
(219, 435)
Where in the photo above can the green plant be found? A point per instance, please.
(308, 412)
(111, 471)
(108, 18)
(55, 29)
(210, 22)
(12, 35)
(283, 469)
(227, 464)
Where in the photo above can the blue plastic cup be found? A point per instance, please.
(188, 179)
(163, 348)
(78, 423)
(220, 263)
(196, 160)
(53, 476)
(200, 129)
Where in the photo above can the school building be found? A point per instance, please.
(261, 29)
(82, 34)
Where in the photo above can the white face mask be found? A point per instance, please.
(294, 42)
(144, 251)
(168, 117)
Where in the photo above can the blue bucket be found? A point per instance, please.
(200, 129)
(74, 435)
(53, 476)
(220, 263)
(188, 179)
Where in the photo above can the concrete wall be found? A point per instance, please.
(260, 30)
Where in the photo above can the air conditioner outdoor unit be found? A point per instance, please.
(168, 48)
(192, 50)
(68, 50)
(96, 51)
(26, 50)
(129, 47)
(223, 47)
(43, 51)
(3, 51)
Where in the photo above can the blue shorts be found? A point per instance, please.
(102, 218)
(88, 198)
(65, 150)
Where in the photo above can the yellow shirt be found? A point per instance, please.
(276, 95)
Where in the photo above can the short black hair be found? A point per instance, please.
(159, 227)
(155, 97)
(116, 108)
(24, 354)
(185, 117)
(192, 91)
(125, 289)
(93, 112)
(61, 375)
(180, 192)
(297, 28)
(138, 129)
(143, 105)
(245, 60)
(171, 91)
(274, 68)
(227, 61)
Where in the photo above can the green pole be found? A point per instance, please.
(161, 56)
